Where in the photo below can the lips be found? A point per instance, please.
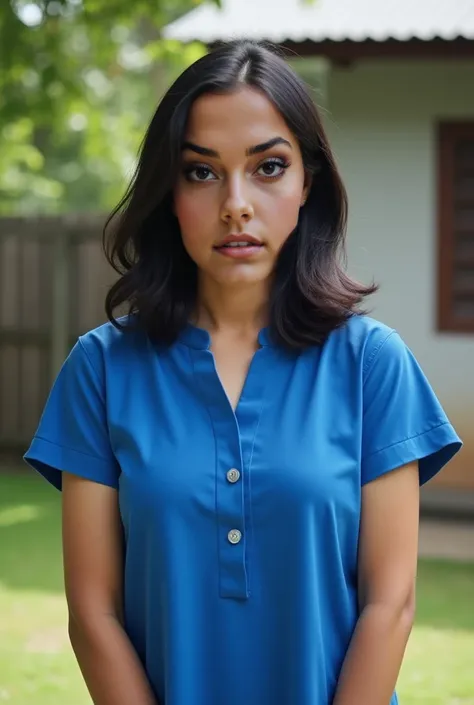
(239, 246)
(236, 244)
(238, 241)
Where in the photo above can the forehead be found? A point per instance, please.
(244, 117)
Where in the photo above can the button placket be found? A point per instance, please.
(231, 510)
(230, 501)
(234, 434)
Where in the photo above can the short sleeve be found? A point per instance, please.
(72, 435)
(403, 421)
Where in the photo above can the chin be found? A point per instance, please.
(242, 275)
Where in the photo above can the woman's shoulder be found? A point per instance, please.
(361, 331)
(365, 328)
(361, 339)
(107, 334)
(109, 342)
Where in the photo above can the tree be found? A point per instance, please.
(75, 79)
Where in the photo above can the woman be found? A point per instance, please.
(240, 457)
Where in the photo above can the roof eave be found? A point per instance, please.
(347, 50)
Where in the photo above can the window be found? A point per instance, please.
(456, 227)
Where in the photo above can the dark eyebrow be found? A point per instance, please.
(256, 149)
(205, 151)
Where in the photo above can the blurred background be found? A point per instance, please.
(79, 81)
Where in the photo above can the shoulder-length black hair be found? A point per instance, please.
(311, 294)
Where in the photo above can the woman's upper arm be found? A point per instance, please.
(388, 544)
(406, 439)
(93, 550)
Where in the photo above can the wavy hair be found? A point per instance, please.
(311, 293)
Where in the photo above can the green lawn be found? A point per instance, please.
(38, 668)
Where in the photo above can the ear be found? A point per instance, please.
(306, 188)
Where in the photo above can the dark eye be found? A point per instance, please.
(273, 168)
(199, 173)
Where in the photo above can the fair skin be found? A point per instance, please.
(232, 191)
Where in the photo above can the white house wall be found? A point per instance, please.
(381, 120)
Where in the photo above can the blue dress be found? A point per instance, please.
(241, 528)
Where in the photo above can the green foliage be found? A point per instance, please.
(79, 80)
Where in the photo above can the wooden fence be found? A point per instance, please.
(53, 280)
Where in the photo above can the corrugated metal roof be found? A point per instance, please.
(357, 20)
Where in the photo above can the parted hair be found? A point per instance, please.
(311, 292)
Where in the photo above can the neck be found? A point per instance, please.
(240, 309)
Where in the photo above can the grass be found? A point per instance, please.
(37, 666)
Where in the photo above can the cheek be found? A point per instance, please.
(193, 214)
(188, 209)
(281, 212)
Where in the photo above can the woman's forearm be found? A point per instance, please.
(110, 666)
(374, 658)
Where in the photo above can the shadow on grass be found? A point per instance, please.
(30, 533)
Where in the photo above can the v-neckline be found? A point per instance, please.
(247, 380)
(199, 339)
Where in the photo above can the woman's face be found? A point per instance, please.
(241, 186)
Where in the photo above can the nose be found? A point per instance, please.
(236, 206)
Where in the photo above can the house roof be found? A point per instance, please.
(322, 20)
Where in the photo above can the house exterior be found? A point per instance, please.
(396, 84)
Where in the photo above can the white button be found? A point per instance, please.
(233, 475)
(234, 536)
